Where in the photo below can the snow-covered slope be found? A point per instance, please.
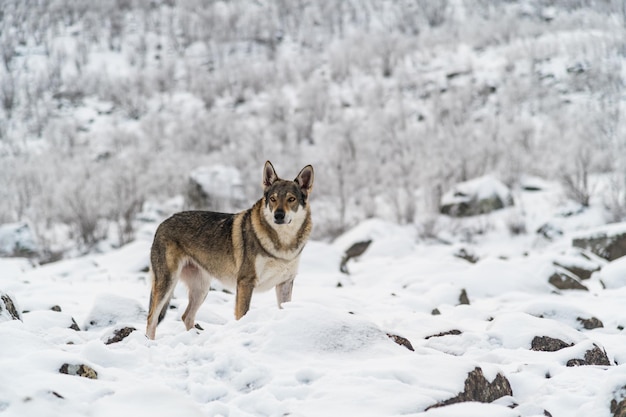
(328, 352)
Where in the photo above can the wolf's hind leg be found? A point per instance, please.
(198, 282)
(163, 284)
(283, 292)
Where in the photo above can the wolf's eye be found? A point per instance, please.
(291, 199)
(273, 199)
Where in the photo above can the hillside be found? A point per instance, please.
(494, 321)
(107, 107)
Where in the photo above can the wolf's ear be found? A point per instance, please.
(305, 179)
(269, 175)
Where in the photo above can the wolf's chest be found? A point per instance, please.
(272, 271)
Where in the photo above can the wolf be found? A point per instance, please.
(256, 249)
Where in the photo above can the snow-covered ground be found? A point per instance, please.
(327, 353)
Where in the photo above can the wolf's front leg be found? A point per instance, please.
(243, 298)
(283, 292)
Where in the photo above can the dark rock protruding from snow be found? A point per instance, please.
(478, 388)
(354, 251)
(548, 344)
(582, 264)
(463, 298)
(618, 404)
(216, 187)
(478, 196)
(590, 323)
(8, 308)
(84, 371)
(608, 242)
(402, 341)
(18, 239)
(594, 356)
(564, 280)
(119, 335)
(467, 255)
(453, 332)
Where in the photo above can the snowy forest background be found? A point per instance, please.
(106, 107)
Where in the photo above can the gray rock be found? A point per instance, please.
(564, 280)
(402, 341)
(478, 196)
(607, 243)
(548, 344)
(8, 308)
(119, 335)
(594, 356)
(590, 323)
(478, 388)
(354, 251)
(84, 371)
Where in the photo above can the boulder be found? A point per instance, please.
(467, 255)
(564, 280)
(109, 310)
(593, 356)
(463, 298)
(548, 344)
(478, 196)
(357, 249)
(618, 403)
(581, 268)
(119, 335)
(402, 341)
(608, 242)
(84, 371)
(478, 388)
(8, 308)
(217, 188)
(18, 239)
(590, 323)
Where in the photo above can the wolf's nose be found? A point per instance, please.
(279, 216)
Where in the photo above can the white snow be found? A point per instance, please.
(327, 352)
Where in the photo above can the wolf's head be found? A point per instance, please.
(286, 201)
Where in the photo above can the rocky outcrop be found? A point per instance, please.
(82, 370)
(478, 388)
(478, 196)
(8, 308)
(564, 280)
(402, 341)
(618, 403)
(463, 298)
(608, 242)
(354, 251)
(119, 335)
(453, 332)
(548, 344)
(18, 239)
(216, 187)
(593, 356)
(590, 323)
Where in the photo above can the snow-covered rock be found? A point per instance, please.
(215, 187)
(608, 241)
(477, 196)
(17, 239)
